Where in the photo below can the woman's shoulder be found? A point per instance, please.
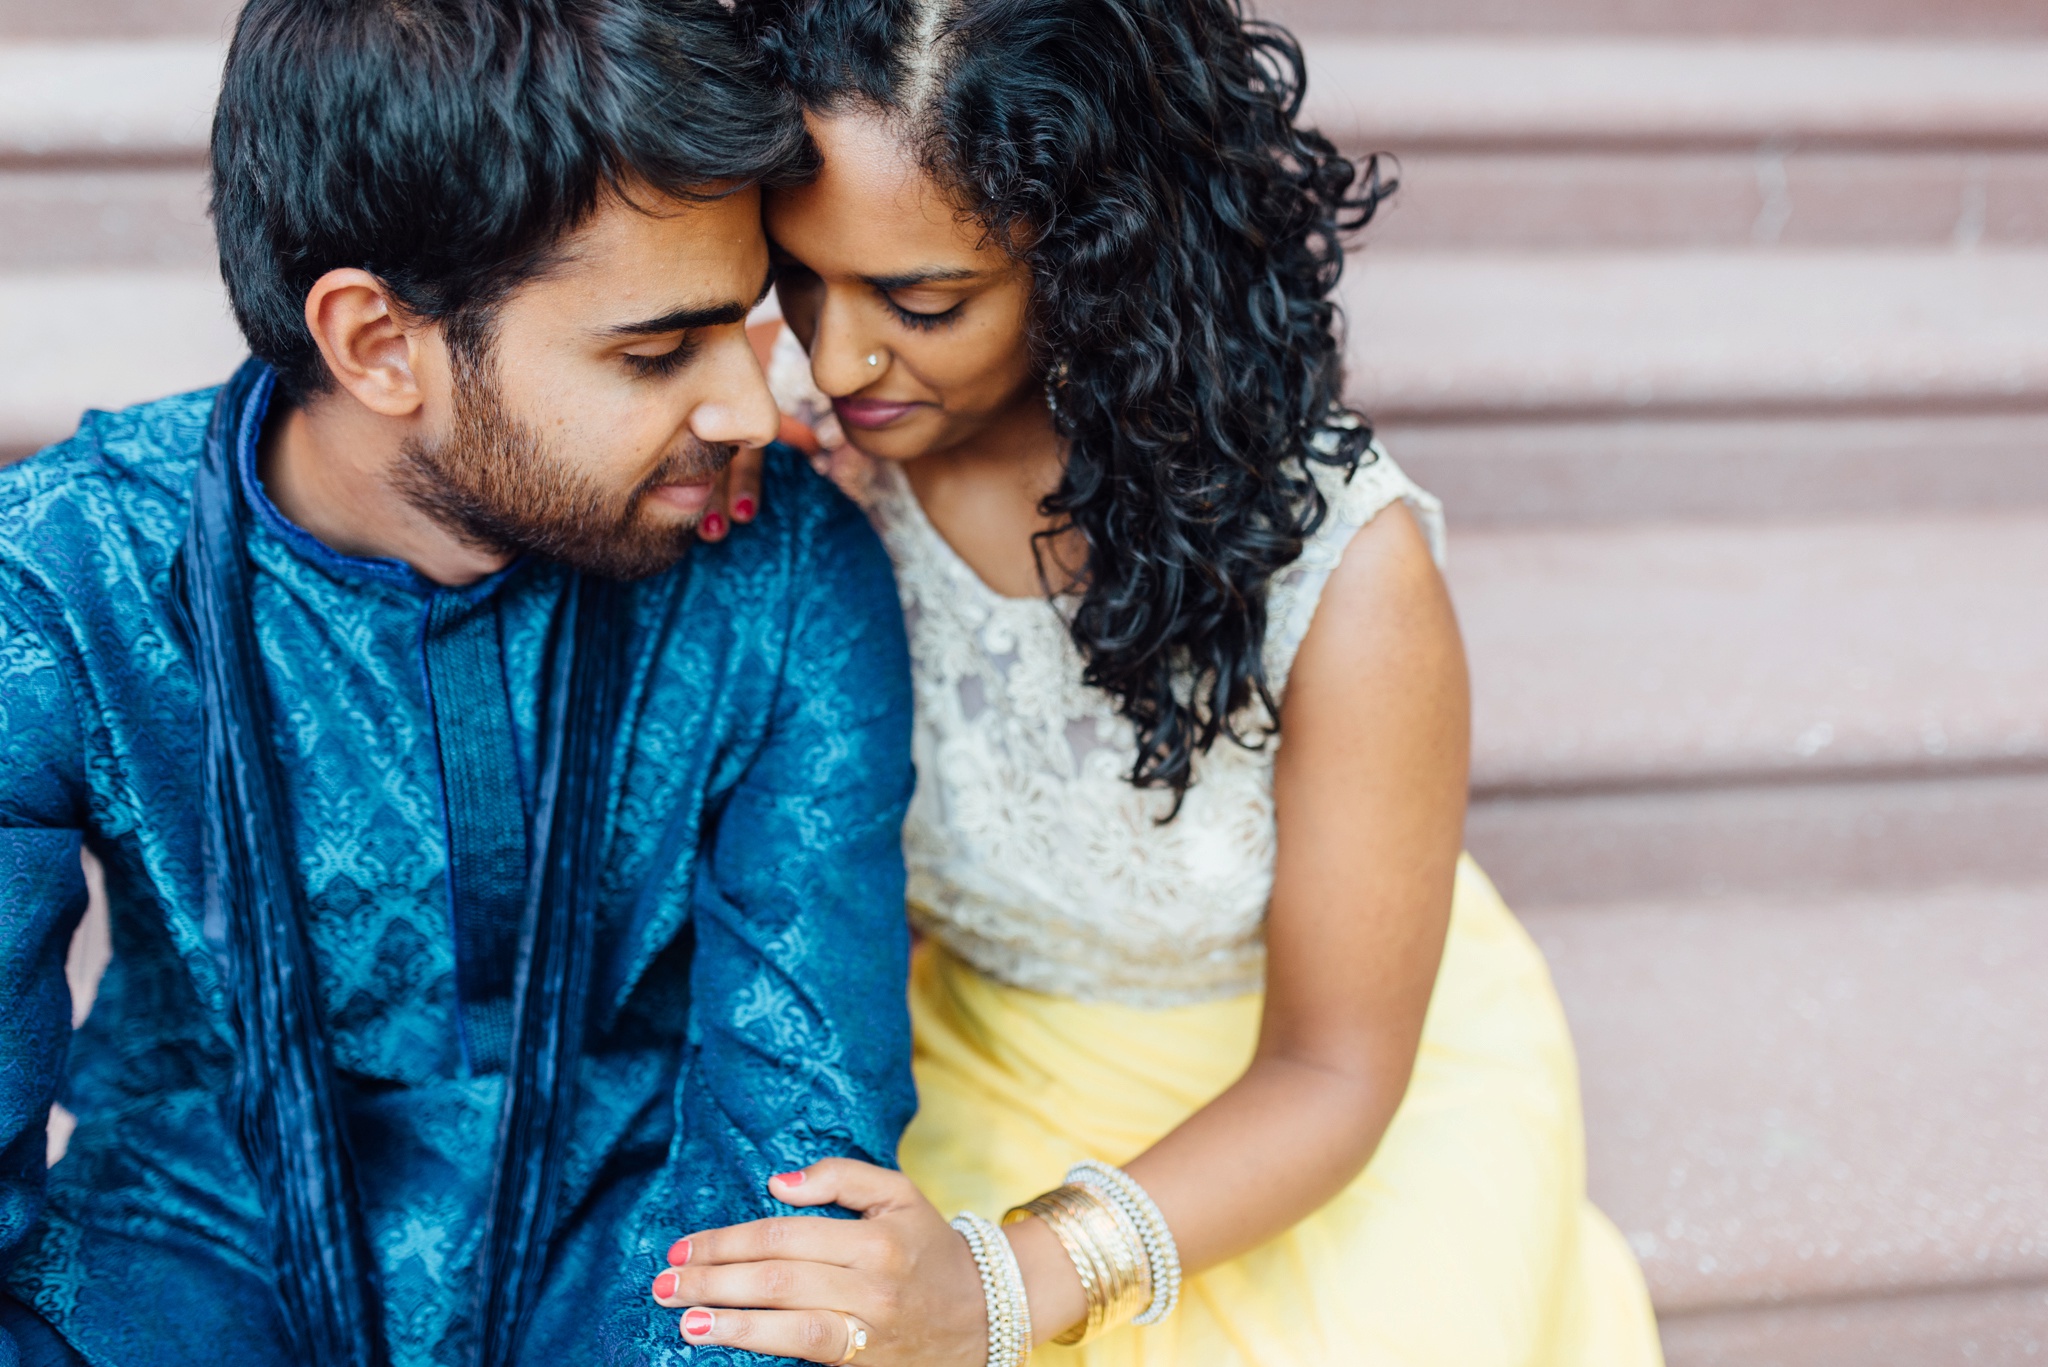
(1353, 497)
(1356, 495)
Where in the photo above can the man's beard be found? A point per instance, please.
(494, 484)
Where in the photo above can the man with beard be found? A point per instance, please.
(497, 880)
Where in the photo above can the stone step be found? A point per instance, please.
(139, 101)
(104, 19)
(1711, 709)
(105, 218)
(1839, 18)
(73, 340)
(1463, 336)
(1411, 94)
(148, 97)
(1566, 473)
(1655, 656)
(1819, 1120)
(1995, 1326)
(1812, 839)
(1753, 198)
(135, 18)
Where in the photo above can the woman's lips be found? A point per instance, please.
(868, 414)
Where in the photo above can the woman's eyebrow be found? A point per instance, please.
(912, 279)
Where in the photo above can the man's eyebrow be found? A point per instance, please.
(911, 280)
(687, 319)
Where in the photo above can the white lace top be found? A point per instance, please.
(1030, 854)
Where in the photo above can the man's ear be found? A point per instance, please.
(363, 337)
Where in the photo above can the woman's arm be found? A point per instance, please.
(1369, 785)
(1370, 789)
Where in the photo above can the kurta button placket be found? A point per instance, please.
(484, 811)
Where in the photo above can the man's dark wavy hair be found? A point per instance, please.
(448, 146)
(1184, 234)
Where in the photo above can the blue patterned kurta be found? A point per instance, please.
(750, 977)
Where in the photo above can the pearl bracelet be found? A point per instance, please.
(1002, 1287)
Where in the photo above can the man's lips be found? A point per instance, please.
(868, 414)
(686, 498)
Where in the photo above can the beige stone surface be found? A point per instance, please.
(75, 340)
(1442, 336)
(1815, 1097)
(1987, 1327)
(1750, 197)
(1663, 17)
(1578, 473)
(1680, 653)
(103, 19)
(1412, 92)
(1811, 839)
(124, 98)
(124, 218)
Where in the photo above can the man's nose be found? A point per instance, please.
(740, 410)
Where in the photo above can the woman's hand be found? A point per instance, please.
(735, 495)
(785, 1287)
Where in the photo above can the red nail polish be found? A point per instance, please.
(790, 1179)
(697, 1323)
(743, 510)
(679, 1253)
(665, 1286)
(714, 525)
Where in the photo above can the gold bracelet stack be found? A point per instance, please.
(1119, 1245)
(1002, 1288)
(1161, 1252)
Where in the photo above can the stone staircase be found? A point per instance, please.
(1723, 329)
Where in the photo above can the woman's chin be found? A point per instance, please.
(889, 443)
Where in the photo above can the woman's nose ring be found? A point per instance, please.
(874, 359)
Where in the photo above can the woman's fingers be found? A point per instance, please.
(844, 1182)
(793, 1238)
(743, 484)
(796, 432)
(811, 1335)
(735, 495)
(764, 1286)
(717, 517)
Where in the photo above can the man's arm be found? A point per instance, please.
(798, 991)
(42, 896)
(799, 1042)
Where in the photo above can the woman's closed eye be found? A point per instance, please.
(923, 319)
(655, 365)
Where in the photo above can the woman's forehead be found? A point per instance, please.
(873, 200)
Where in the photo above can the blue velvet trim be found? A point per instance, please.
(288, 1114)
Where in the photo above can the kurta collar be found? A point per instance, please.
(248, 434)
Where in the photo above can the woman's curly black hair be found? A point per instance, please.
(1183, 234)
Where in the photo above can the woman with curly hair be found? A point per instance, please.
(1192, 743)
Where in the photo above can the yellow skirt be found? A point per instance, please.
(1468, 1240)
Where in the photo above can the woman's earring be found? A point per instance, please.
(1055, 379)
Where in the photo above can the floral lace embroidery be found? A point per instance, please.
(1029, 853)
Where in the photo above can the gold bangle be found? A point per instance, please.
(1114, 1235)
(1106, 1249)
